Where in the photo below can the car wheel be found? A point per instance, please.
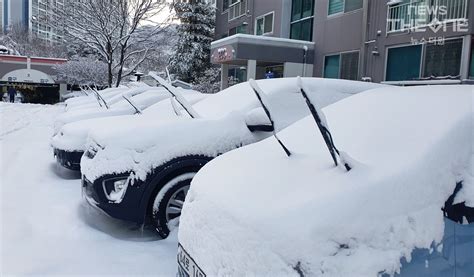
(168, 203)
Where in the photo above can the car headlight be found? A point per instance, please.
(92, 150)
(115, 188)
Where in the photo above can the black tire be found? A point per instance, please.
(167, 203)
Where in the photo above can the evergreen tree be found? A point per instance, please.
(191, 54)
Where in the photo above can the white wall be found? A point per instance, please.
(297, 69)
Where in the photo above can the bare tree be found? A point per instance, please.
(111, 28)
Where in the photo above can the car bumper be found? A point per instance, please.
(128, 209)
(69, 160)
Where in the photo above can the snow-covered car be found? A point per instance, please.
(143, 174)
(92, 99)
(401, 153)
(70, 141)
(143, 97)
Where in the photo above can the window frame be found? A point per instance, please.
(343, 12)
(311, 18)
(422, 61)
(340, 63)
(424, 52)
(231, 5)
(263, 17)
(471, 64)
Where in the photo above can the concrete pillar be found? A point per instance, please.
(62, 91)
(251, 69)
(465, 58)
(224, 76)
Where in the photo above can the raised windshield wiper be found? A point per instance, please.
(96, 96)
(84, 91)
(168, 75)
(101, 98)
(137, 110)
(260, 95)
(176, 94)
(320, 119)
(175, 107)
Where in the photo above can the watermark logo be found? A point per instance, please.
(432, 19)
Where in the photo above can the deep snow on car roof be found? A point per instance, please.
(240, 96)
(410, 146)
(221, 127)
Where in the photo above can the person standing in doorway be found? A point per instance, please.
(269, 74)
(12, 94)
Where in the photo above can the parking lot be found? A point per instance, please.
(46, 226)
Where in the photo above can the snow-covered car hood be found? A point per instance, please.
(256, 212)
(221, 128)
(73, 136)
(143, 97)
(90, 101)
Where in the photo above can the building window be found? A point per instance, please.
(443, 60)
(408, 14)
(403, 63)
(237, 8)
(331, 66)
(302, 14)
(342, 66)
(264, 24)
(237, 30)
(340, 6)
(471, 71)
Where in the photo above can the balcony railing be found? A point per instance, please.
(237, 9)
(418, 13)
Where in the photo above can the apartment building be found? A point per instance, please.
(41, 17)
(1, 16)
(398, 41)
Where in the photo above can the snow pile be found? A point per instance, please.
(255, 211)
(221, 128)
(47, 229)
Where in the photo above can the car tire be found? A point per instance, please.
(168, 202)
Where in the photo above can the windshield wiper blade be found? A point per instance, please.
(101, 98)
(320, 119)
(96, 97)
(83, 91)
(259, 93)
(169, 76)
(175, 107)
(137, 110)
(176, 94)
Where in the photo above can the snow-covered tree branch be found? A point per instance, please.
(112, 29)
(191, 57)
(83, 72)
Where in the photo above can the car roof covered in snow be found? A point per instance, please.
(221, 127)
(408, 147)
(72, 136)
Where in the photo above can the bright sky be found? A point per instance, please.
(163, 15)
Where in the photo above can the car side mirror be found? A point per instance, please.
(258, 121)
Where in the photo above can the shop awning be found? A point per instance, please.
(240, 48)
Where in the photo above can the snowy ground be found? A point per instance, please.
(46, 226)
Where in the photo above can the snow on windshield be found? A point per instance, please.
(411, 145)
